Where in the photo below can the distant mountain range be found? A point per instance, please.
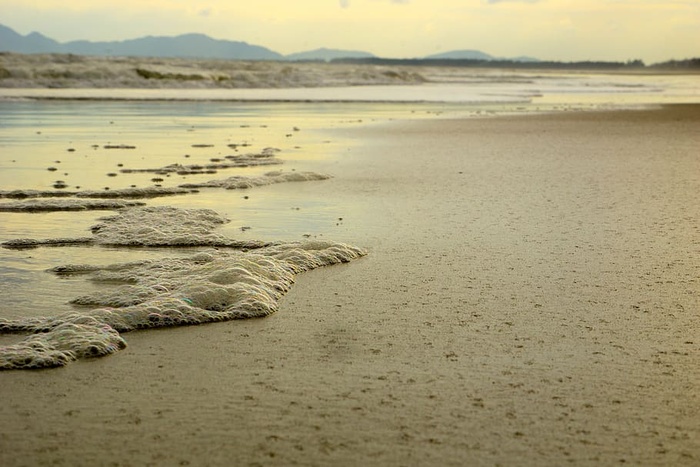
(192, 46)
(186, 45)
(328, 54)
(475, 55)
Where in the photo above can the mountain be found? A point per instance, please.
(476, 55)
(10, 41)
(186, 46)
(461, 55)
(524, 58)
(327, 55)
(200, 46)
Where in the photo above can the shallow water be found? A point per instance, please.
(71, 138)
(43, 142)
(37, 135)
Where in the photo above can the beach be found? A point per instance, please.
(529, 297)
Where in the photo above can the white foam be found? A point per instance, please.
(43, 201)
(65, 204)
(145, 192)
(63, 343)
(270, 178)
(265, 157)
(151, 226)
(161, 226)
(214, 285)
(28, 193)
(19, 243)
(165, 226)
(207, 287)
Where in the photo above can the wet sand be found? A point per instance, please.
(530, 298)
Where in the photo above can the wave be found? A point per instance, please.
(73, 71)
(55, 77)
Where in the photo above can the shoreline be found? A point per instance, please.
(527, 299)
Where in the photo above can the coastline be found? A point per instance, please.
(528, 299)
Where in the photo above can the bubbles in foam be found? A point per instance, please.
(270, 178)
(265, 157)
(146, 192)
(63, 343)
(65, 204)
(20, 243)
(48, 201)
(214, 285)
(165, 226)
(28, 193)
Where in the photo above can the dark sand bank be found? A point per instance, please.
(530, 297)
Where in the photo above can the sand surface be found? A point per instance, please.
(531, 297)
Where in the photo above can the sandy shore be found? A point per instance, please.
(530, 298)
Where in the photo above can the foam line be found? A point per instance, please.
(166, 226)
(147, 192)
(270, 178)
(213, 285)
(65, 204)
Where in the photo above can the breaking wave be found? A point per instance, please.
(73, 71)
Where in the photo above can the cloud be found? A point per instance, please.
(344, 3)
(205, 13)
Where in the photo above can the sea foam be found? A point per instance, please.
(109, 200)
(166, 226)
(239, 182)
(65, 204)
(212, 285)
(233, 161)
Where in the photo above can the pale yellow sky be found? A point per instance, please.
(652, 30)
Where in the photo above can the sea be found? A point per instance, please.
(125, 209)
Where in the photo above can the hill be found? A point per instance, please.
(461, 55)
(184, 46)
(10, 41)
(476, 55)
(327, 55)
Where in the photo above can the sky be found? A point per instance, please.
(616, 30)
